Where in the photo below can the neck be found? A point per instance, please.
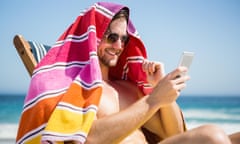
(104, 70)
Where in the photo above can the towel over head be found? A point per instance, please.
(66, 85)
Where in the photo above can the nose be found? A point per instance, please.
(117, 44)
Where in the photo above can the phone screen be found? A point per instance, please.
(186, 59)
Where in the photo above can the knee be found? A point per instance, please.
(213, 135)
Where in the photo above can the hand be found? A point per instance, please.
(154, 71)
(168, 89)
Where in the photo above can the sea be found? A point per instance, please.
(223, 111)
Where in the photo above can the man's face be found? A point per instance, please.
(112, 43)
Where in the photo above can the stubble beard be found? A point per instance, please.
(109, 62)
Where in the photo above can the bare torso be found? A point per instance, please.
(116, 96)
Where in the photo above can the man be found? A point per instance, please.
(80, 97)
(122, 100)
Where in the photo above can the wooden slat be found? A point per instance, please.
(24, 51)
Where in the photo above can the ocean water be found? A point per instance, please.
(197, 110)
(223, 111)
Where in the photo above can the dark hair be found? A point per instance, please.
(122, 13)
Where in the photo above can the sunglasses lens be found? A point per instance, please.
(113, 37)
(124, 39)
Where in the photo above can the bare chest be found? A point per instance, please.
(116, 96)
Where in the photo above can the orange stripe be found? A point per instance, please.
(81, 97)
(37, 115)
(40, 113)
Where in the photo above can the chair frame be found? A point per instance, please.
(24, 50)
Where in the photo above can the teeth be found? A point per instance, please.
(112, 52)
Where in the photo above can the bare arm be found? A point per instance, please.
(115, 127)
(167, 121)
(172, 119)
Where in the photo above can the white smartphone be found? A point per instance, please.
(186, 60)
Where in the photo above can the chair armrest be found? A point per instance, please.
(24, 50)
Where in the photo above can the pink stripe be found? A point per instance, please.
(51, 80)
(57, 79)
(91, 72)
(79, 51)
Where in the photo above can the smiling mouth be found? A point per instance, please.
(113, 52)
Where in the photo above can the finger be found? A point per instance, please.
(177, 73)
(181, 79)
(157, 66)
(180, 87)
(148, 66)
(151, 67)
(144, 65)
(160, 67)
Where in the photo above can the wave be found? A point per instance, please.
(8, 131)
(232, 116)
(228, 120)
(229, 128)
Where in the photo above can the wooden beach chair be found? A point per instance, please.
(30, 52)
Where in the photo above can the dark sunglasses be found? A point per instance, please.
(113, 37)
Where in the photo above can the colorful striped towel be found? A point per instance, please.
(66, 85)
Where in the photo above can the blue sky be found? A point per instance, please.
(210, 28)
